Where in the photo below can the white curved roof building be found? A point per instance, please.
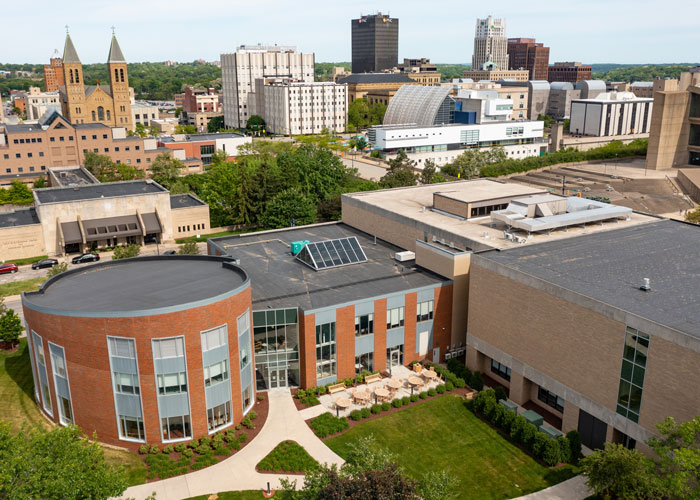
(420, 105)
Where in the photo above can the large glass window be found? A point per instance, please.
(364, 324)
(131, 428)
(325, 350)
(214, 338)
(126, 383)
(215, 373)
(61, 385)
(394, 318)
(219, 416)
(244, 339)
(364, 362)
(43, 373)
(176, 427)
(168, 348)
(276, 344)
(424, 311)
(551, 399)
(634, 360)
(500, 369)
(172, 383)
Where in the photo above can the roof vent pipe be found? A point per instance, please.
(646, 286)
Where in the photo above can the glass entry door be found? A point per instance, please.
(278, 378)
(394, 357)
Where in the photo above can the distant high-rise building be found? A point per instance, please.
(490, 45)
(375, 43)
(240, 69)
(571, 72)
(526, 53)
(53, 73)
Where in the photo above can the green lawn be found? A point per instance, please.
(29, 260)
(235, 495)
(288, 456)
(17, 287)
(17, 407)
(441, 434)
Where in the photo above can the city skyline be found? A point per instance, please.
(619, 32)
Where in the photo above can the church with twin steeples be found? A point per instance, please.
(106, 104)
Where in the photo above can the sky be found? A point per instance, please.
(591, 31)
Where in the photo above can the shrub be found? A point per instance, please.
(238, 427)
(234, 445)
(414, 398)
(449, 386)
(397, 403)
(406, 400)
(188, 248)
(507, 421)
(261, 397)
(489, 408)
(359, 379)
(220, 450)
(322, 389)
(476, 382)
(203, 449)
(217, 440)
(423, 395)
(497, 415)
(574, 445)
(528, 435)
(126, 252)
(376, 409)
(193, 444)
(205, 440)
(564, 449)
(365, 412)
(168, 449)
(243, 438)
(252, 415)
(538, 444)
(386, 406)
(180, 447)
(247, 423)
(154, 450)
(432, 391)
(348, 382)
(326, 424)
(355, 415)
(143, 449)
(501, 393)
(301, 393)
(460, 383)
(440, 389)
(310, 400)
(230, 436)
(187, 452)
(551, 452)
(516, 430)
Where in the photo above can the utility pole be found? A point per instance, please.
(563, 185)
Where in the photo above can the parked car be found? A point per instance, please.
(8, 268)
(86, 257)
(43, 264)
(170, 252)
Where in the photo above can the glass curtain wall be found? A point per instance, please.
(276, 344)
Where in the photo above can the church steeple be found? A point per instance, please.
(74, 108)
(119, 84)
(70, 55)
(115, 52)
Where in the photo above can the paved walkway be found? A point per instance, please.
(571, 489)
(238, 472)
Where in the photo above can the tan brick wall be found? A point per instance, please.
(450, 205)
(19, 242)
(375, 224)
(190, 221)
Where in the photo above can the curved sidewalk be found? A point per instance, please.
(238, 472)
(571, 489)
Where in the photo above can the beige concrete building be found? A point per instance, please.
(520, 75)
(362, 84)
(491, 44)
(143, 113)
(420, 70)
(39, 102)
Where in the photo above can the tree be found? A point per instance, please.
(621, 473)
(400, 172)
(188, 248)
(428, 172)
(437, 486)
(126, 252)
(470, 163)
(361, 143)
(289, 208)
(185, 129)
(362, 115)
(59, 268)
(102, 167)
(166, 169)
(255, 125)
(18, 194)
(56, 464)
(10, 327)
(678, 462)
(39, 183)
(215, 124)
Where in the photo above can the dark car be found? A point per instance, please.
(8, 268)
(86, 257)
(43, 264)
(170, 252)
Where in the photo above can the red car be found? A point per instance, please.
(8, 268)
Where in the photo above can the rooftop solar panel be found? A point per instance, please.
(332, 253)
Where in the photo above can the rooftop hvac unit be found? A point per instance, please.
(404, 256)
(296, 246)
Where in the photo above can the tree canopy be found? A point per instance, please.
(362, 115)
(400, 172)
(102, 167)
(17, 194)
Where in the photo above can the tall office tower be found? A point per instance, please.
(526, 53)
(53, 73)
(240, 69)
(490, 44)
(375, 43)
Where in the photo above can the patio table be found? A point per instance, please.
(341, 403)
(381, 393)
(393, 384)
(429, 374)
(362, 396)
(413, 380)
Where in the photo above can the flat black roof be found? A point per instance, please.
(609, 266)
(21, 217)
(185, 201)
(94, 191)
(139, 284)
(279, 279)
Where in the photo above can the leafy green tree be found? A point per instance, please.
(400, 172)
(617, 472)
(215, 124)
(361, 143)
(56, 464)
(428, 172)
(102, 167)
(39, 183)
(362, 115)
(18, 194)
(678, 462)
(186, 129)
(470, 163)
(59, 268)
(166, 169)
(188, 248)
(10, 327)
(255, 124)
(126, 252)
(289, 208)
(437, 485)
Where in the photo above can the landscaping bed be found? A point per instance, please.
(287, 457)
(306, 398)
(176, 459)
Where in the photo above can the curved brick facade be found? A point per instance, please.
(91, 365)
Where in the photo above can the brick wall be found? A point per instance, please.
(345, 341)
(380, 334)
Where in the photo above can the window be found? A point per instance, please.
(243, 343)
(123, 348)
(364, 325)
(215, 373)
(94, 136)
(176, 427)
(168, 348)
(61, 139)
(126, 383)
(500, 369)
(364, 362)
(325, 350)
(424, 311)
(551, 399)
(41, 153)
(172, 383)
(116, 148)
(634, 360)
(131, 428)
(29, 155)
(219, 416)
(246, 397)
(212, 339)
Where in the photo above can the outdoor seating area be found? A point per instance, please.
(377, 389)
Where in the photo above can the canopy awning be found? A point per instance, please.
(112, 227)
(151, 222)
(71, 232)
